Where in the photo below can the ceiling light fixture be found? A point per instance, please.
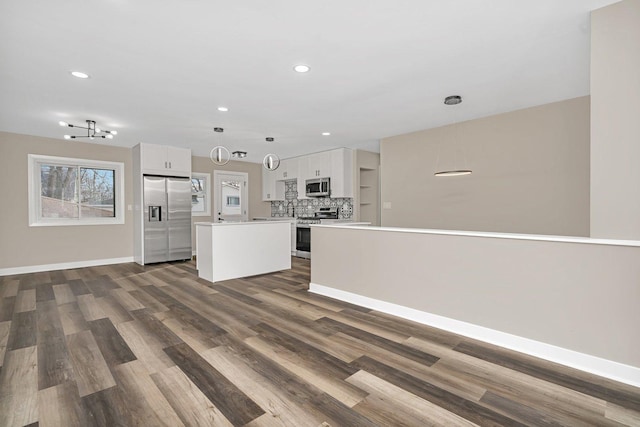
(92, 131)
(219, 155)
(326, 133)
(452, 100)
(301, 68)
(80, 74)
(223, 109)
(271, 162)
(239, 154)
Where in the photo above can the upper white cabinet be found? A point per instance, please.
(272, 189)
(341, 172)
(288, 169)
(164, 160)
(335, 164)
(318, 165)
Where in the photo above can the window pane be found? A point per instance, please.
(197, 203)
(198, 194)
(97, 197)
(231, 198)
(197, 185)
(58, 191)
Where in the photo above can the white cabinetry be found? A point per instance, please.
(287, 170)
(164, 160)
(341, 173)
(335, 164)
(150, 159)
(272, 189)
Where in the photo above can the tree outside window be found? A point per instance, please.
(65, 191)
(200, 194)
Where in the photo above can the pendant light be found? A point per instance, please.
(271, 162)
(452, 100)
(219, 155)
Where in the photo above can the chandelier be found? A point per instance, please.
(92, 131)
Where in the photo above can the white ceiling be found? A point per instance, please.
(159, 69)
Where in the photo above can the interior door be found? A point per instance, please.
(155, 219)
(230, 196)
(179, 218)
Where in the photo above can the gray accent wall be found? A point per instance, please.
(22, 245)
(530, 173)
(615, 121)
(577, 296)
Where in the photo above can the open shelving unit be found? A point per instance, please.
(368, 195)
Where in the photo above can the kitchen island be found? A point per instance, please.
(229, 250)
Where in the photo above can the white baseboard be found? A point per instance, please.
(605, 368)
(62, 266)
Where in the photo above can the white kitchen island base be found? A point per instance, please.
(229, 250)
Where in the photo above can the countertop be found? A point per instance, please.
(227, 223)
(542, 237)
(269, 218)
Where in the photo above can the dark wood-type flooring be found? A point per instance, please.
(126, 345)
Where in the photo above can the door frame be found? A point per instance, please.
(216, 193)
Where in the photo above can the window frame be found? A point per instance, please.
(207, 193)
(35, 190)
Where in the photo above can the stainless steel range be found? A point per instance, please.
(303, 229)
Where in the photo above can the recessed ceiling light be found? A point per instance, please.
(326, 133)
(223, 109)
(301, 68)
(80, 74)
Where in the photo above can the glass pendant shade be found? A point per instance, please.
(271, 162)
(219, 155)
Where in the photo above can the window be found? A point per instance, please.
(200, 194)
(66, 191)
(233, 200)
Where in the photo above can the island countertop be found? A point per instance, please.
(225, 223)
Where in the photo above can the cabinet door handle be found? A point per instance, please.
(165, 165)
(169, 165)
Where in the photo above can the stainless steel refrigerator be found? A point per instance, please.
(167, 219)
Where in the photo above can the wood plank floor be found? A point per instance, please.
(127, 345)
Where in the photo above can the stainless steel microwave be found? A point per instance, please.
(318, 187)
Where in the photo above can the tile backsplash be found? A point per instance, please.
(294, 207)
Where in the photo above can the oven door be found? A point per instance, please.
(303, 240)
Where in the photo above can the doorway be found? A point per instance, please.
(230, 201)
